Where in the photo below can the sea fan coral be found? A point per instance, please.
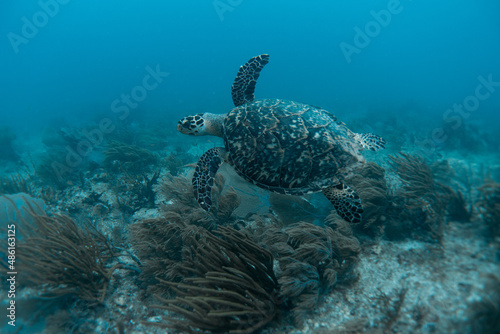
(182, 206)
(136, 192)
(371, 186)
(60, 258)
(16, 184)
(120, 157)
(418, 207)
(159, 245)
(19, 208)
(489, 206)
(232, 288)
(52, 170)
(418, 182)
(311, 259)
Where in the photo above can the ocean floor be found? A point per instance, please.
(421, 265)
(399, 287)
(414, 287)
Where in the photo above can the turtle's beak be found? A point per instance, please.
(184, 126)
(191, 125)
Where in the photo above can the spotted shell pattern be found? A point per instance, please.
(289, 147)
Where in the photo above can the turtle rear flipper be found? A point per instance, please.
(204, 176)
(370, 141)
(244, 83)
(346, 202)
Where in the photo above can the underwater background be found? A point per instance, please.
(96, 180)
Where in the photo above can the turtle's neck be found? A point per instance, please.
(213, 124)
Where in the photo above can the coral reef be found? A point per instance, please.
(159, 244)
(468, 137)
(151, 137)
(311, 261)
(181, 205)
(6, 150)
(423, 201)
(485, 313)
(173, 164)
(19, 208)
(141, 134)
(258, 262)
(157, 241)
(16, 184)
(419, 187)
(457, 195)
(371, 186)
(60, 135)
(51, 170)
(60, 258)
(121, 157)
(123, 133)
(134, 193)
(418, 206)
(489, 207)
(232, 287)
(69, 155)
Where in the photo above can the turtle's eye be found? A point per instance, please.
(190, 125)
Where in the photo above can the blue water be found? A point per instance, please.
(76, 63)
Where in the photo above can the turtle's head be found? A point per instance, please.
(192, 125)
(201, 124)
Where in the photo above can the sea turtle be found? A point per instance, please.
(282, 146)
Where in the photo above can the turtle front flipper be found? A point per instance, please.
(244, 83)
(346, 202)
(370, 141)
(204, 174)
